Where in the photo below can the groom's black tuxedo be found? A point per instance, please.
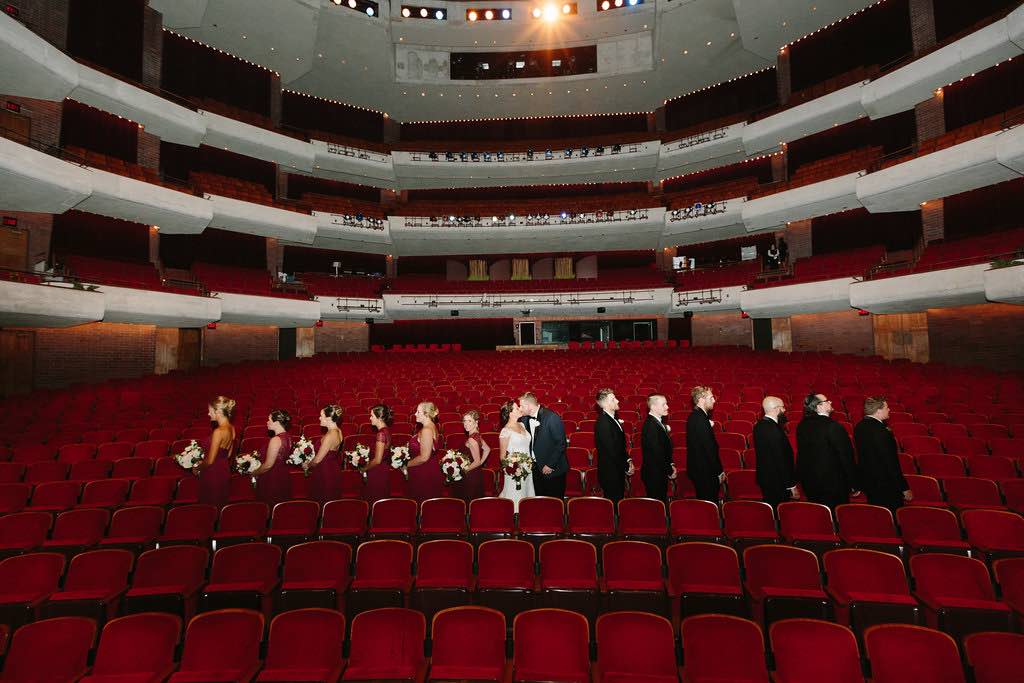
(612, 456)
(548, 447)
(657, 462)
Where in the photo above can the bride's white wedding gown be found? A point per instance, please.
(520, 443)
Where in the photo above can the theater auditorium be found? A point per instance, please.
(565, 341)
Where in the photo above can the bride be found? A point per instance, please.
(514, 438)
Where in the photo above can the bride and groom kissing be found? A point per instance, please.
(528, 427)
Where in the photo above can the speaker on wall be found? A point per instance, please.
(455, 314)
(600, 309)
(369, 321)
(687, 314)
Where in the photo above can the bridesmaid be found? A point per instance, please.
(273, 483)
(214, 471)
(425, 478)
(325, 468)
(378, 472)
(472, 484)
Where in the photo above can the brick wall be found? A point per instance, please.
(930, 116)
(721, 329)
(798, 237)
(902, 335)
(989, 335)
(92, 353)
(839, 332)
(933, 220)
(922, 24)
(148, 150)
(152, 47)
(337, 337)
(45, 118)
(39, 227)
(230, 343)
(47, 18)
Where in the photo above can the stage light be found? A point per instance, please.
(618, 3)
(564, 215)
(337, 2)
(520, 65)
(494, 219)
(488, 15)
(556, 62)
(537, 12)
(550, 13)
(369, 11)
(439, 15)
(472, 16)
(406, 13)
(632, 3)
(352, 4)
(606, 5)
(423, 12)
(506, 14)
(566, 8)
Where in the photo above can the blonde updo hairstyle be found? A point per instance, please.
(225, 405)
(428, 409)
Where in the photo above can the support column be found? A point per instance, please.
(782, 335)
(930, 117)
(780, 166)
(663, 258)
(152, 47)
(275, 256)
(391, 266)
(148, 150)
(275, 99)
(922, 25)
(784, 77)
(933, 220)
(154, 245)
(798, 237)
(281, 184)
(392, 130)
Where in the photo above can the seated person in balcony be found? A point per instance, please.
(773, 258)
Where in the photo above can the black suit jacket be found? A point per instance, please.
(775, 468)
(702, 462)
(880, 472)
(656, 444)
(612, 455)
(548, 441)
(824, 463)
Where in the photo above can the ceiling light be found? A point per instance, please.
(550, 13)
(488, 15)
(618, 3)
(606, 5)
(406, 12)
(537, 12)
(423, 12)
(566, 8)
(439, 14)
(352, 4)
(632, 3)
(369, 11)
(506, 14)
(472, 16)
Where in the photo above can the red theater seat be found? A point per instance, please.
(995, 657)
(899, 653)
(387, 644)
(243, 576)
(551, 645)
(136, 649)
(809, 650)
(50, 650)
(707, 636)
(221, 646)
(167, 580)
(635, 647)
(305, 645)
(93, 587)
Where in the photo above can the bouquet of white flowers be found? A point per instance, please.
(517, 466)
(248, 463)
(302, 453)
(360, 457)
(453, 464)
(400, 459)
(191, 456)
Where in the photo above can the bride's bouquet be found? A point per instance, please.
(191, 456)
(359, 458)
(400, 459)
(248, 463)
(453, 464)
(302, 454)
(517, 466)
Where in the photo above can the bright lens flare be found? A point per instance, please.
(550, 13)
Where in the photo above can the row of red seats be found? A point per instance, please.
(322, 284)
(133, 274)
(469, 642)
(733, 275)
(637, 278)
(220, 278)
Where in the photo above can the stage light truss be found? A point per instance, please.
(488, 14)
(518, 301)
(699, 296)
(347, 305)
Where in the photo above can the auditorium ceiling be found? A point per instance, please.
(647, 53)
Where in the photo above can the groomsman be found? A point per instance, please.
(774, 453)
(613, 464)
(547, 445)
(880, 473)
(656, 442)
(824, 455)
(703, 466)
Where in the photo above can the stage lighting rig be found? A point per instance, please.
(552, 11)
(418, 12)
(488, 14)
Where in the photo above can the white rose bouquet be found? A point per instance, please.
(360, 457)
(191, 456)
(518, 466)
(400, 459)
(302, 453)
(453, 464)
(248, 463)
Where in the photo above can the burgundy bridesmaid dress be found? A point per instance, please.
(378, 479)
(426, 480)
(274, 486)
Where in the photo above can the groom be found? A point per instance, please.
(547, 446)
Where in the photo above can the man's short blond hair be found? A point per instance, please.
(872, 404)
(699, 392)
(529, 398)
(651, 398)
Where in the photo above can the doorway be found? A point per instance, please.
(17, 361)
(643, 331)
(527, 334)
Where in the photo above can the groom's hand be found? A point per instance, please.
(546, 470)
